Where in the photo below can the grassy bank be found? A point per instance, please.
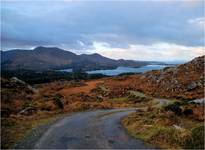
(165, 129)
(15, 128)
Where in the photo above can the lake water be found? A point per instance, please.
(66, 70)
(119, 70)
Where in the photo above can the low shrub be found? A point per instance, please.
(198, 112)
(58, 102)
(166, 136)
(196, 140)
(5, 112)
(120, 99)
(188, 112)
(174, 108)
(137, 96)
(181, 103)
(48, 106)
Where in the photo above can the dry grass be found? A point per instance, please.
(14, 128)
(156, 126)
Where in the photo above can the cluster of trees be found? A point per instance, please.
(36, 77)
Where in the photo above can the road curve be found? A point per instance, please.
(90, 130)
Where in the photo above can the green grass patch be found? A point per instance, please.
(164, 137)
(156, 126)
(102, 88)
(120, 99)
(134, 96)
(137, 94)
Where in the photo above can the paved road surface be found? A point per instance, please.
(94, 129)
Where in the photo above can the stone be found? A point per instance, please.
(28, 111)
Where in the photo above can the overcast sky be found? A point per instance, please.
(139, 29)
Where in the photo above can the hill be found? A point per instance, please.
(184, 81)
(51, 58)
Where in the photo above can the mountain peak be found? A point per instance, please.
(93, 54)
(40, 48)
(96, 54)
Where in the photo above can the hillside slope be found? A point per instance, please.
(15, 95)
(185, 81)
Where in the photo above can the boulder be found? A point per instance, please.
(191, 86)
(28, 111)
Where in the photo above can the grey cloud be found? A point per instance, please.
(115, 22)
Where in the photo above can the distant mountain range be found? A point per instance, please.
(53, 58)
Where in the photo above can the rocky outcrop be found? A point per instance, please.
(16, 80)
(28, 111)
(16, 95)
(183, 81)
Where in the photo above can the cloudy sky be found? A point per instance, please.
(138, 29)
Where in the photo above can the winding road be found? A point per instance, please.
(90, 130)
